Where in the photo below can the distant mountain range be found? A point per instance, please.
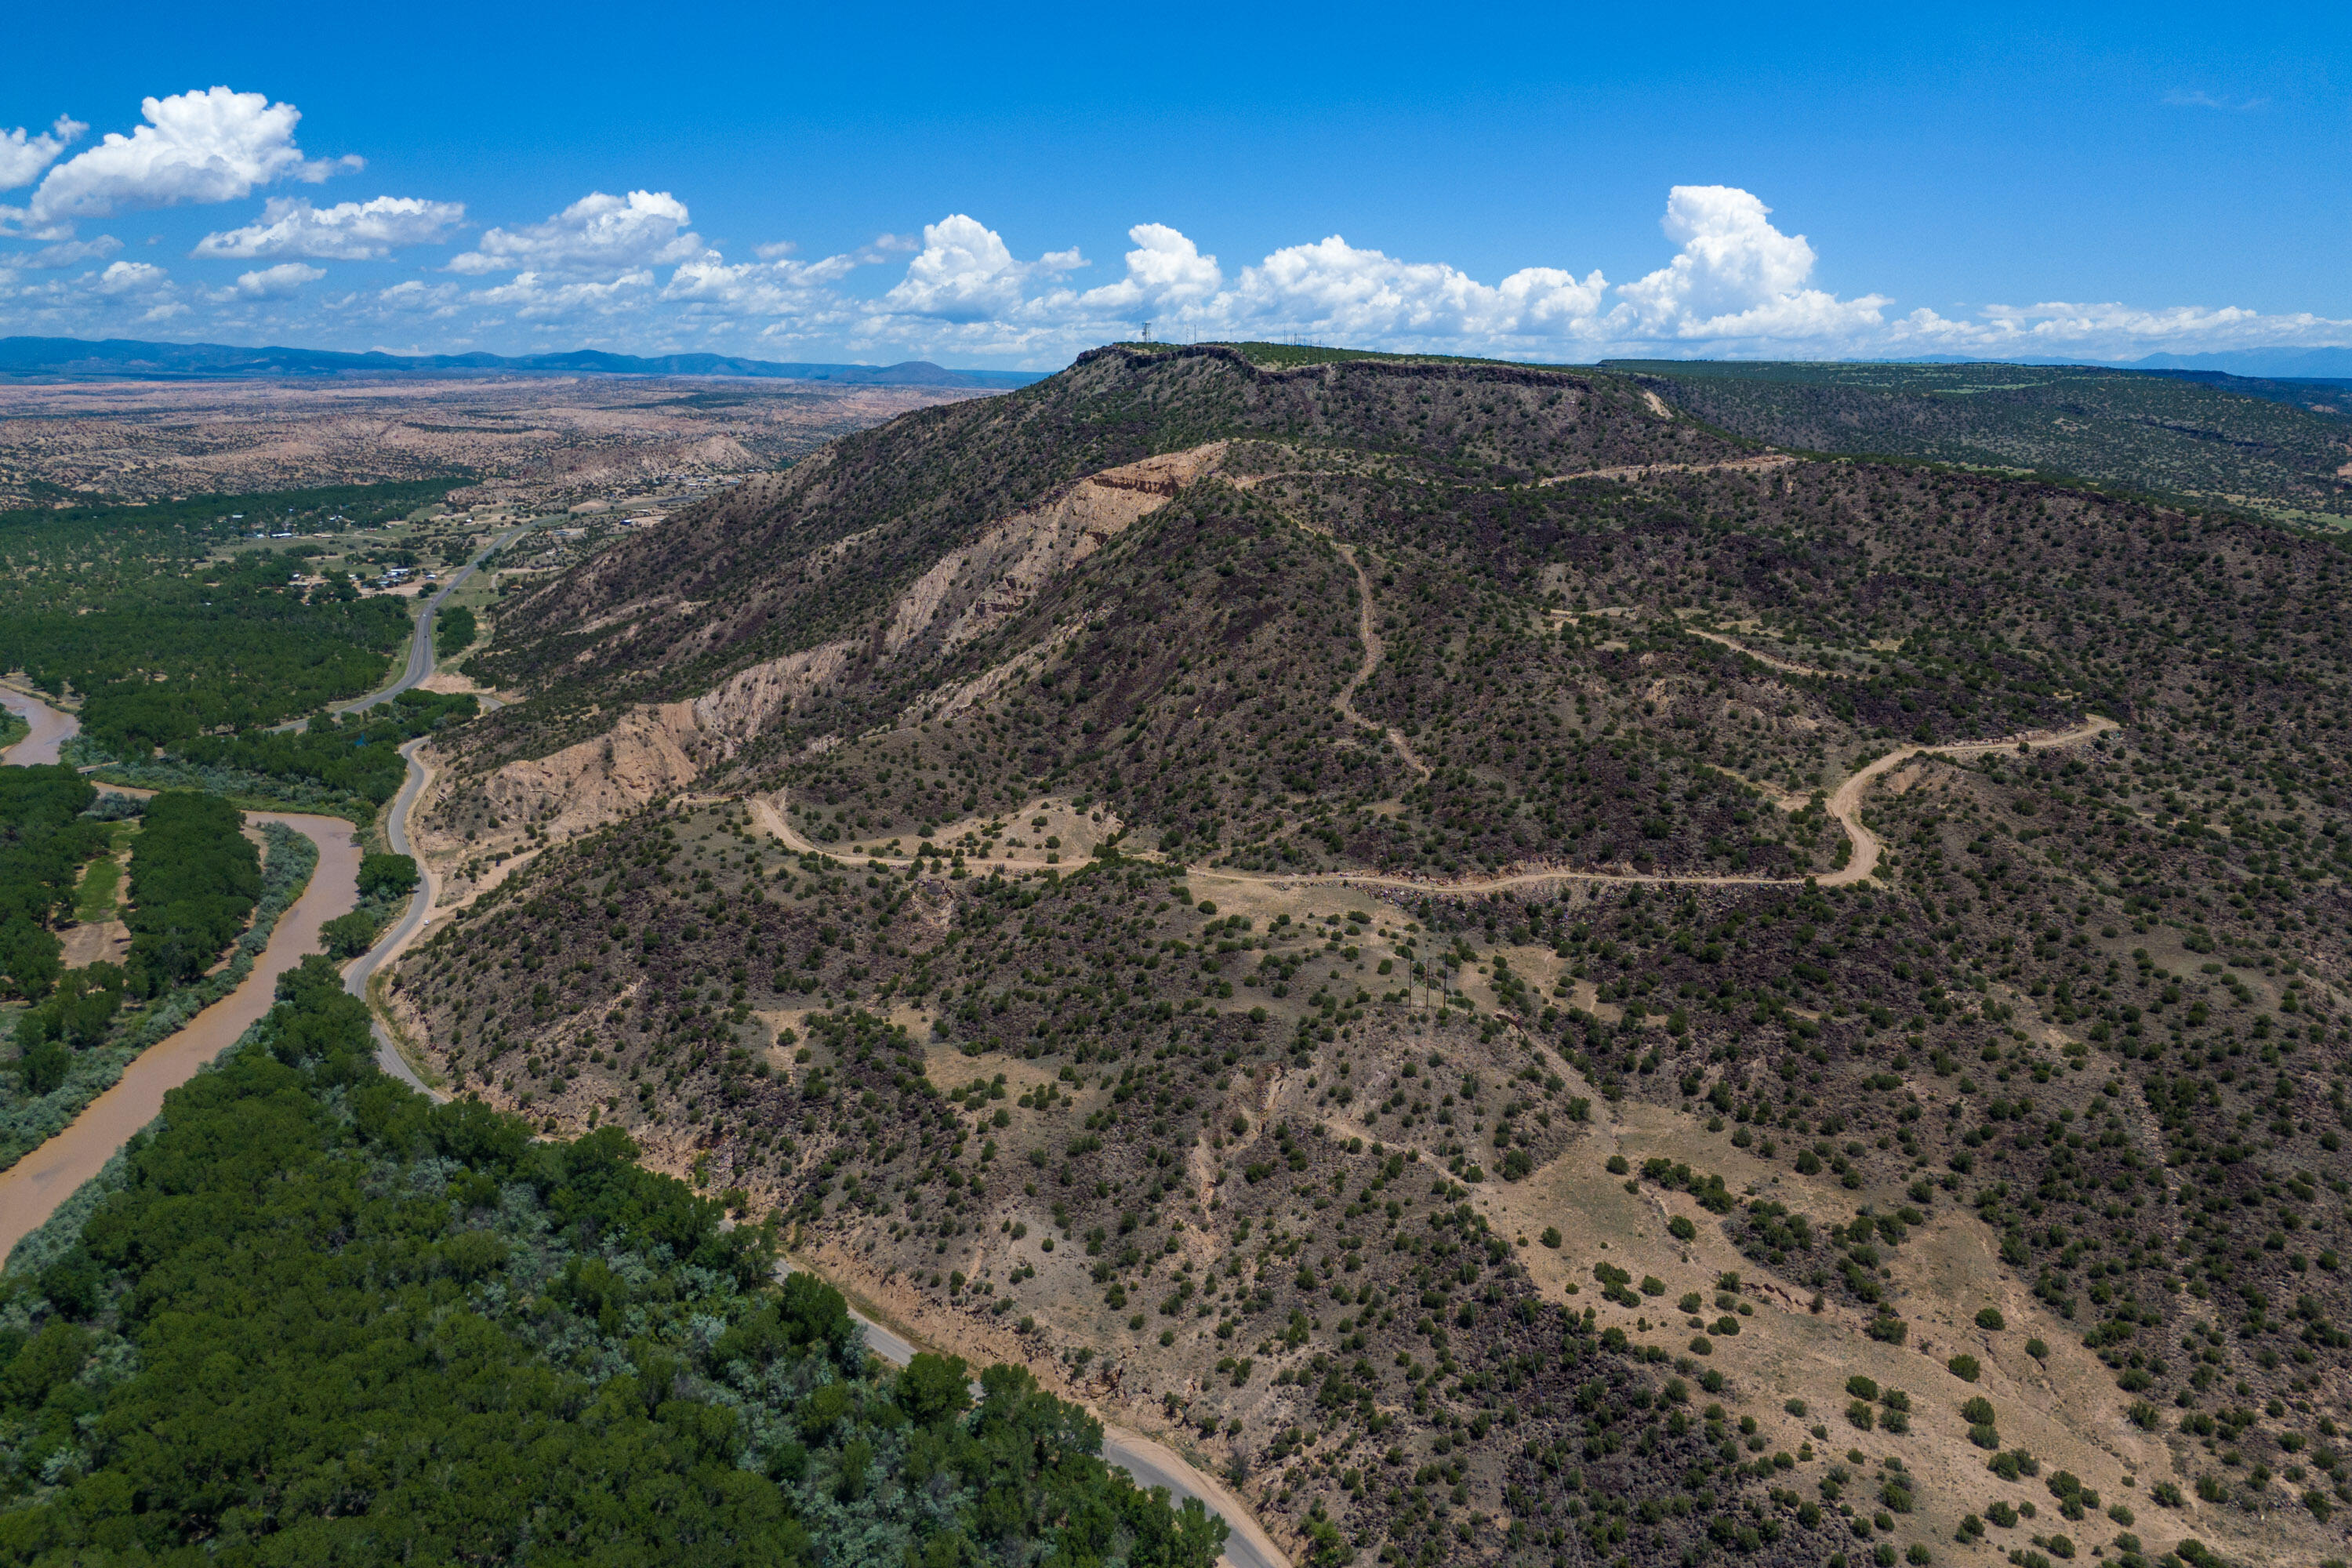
(71, 358)
(76, 359)
(2273, 364)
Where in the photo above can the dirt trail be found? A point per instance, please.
(1367, 630)
(1762, 463)
(1766, 659)
(1846, 806)
(1643, 470)
(1374, 648)
(31, 1189)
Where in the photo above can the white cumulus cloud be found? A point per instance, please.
(348, 231)
(1332, 286)
(597, 235)
(72, 253)
(759, 288)
(210, 146)
(24, 155)
(533, 298)
(128, 278)
(435, 299)
(965, 273)
(279, 283)
(1736, 276)
(1164, 269)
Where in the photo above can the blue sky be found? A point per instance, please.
(981, 186)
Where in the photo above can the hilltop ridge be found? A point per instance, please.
(1452, 938)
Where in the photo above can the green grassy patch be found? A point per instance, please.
(101, 882)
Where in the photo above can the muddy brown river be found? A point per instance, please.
(31, 1190)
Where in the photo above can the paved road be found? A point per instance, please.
(1151, 1464)
(420, 644)
(392, 943)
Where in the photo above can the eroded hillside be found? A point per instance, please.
(1522, 981)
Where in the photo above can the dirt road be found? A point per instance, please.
(1373, 647)
(1763, 463)
(1766, 659)
(1844, 805)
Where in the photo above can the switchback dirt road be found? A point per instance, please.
(1844, 805)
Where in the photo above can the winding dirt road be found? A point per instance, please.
(1767, 660)
(1846, 804)
(1761, 463)
(1374, 648)
(1845, 807)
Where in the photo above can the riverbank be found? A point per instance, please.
(32, 1189)
(50, 728)
(27, 1123)
(50, 1176)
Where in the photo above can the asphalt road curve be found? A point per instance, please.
(394, 942)
(1151, 1464)
(420, 642)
